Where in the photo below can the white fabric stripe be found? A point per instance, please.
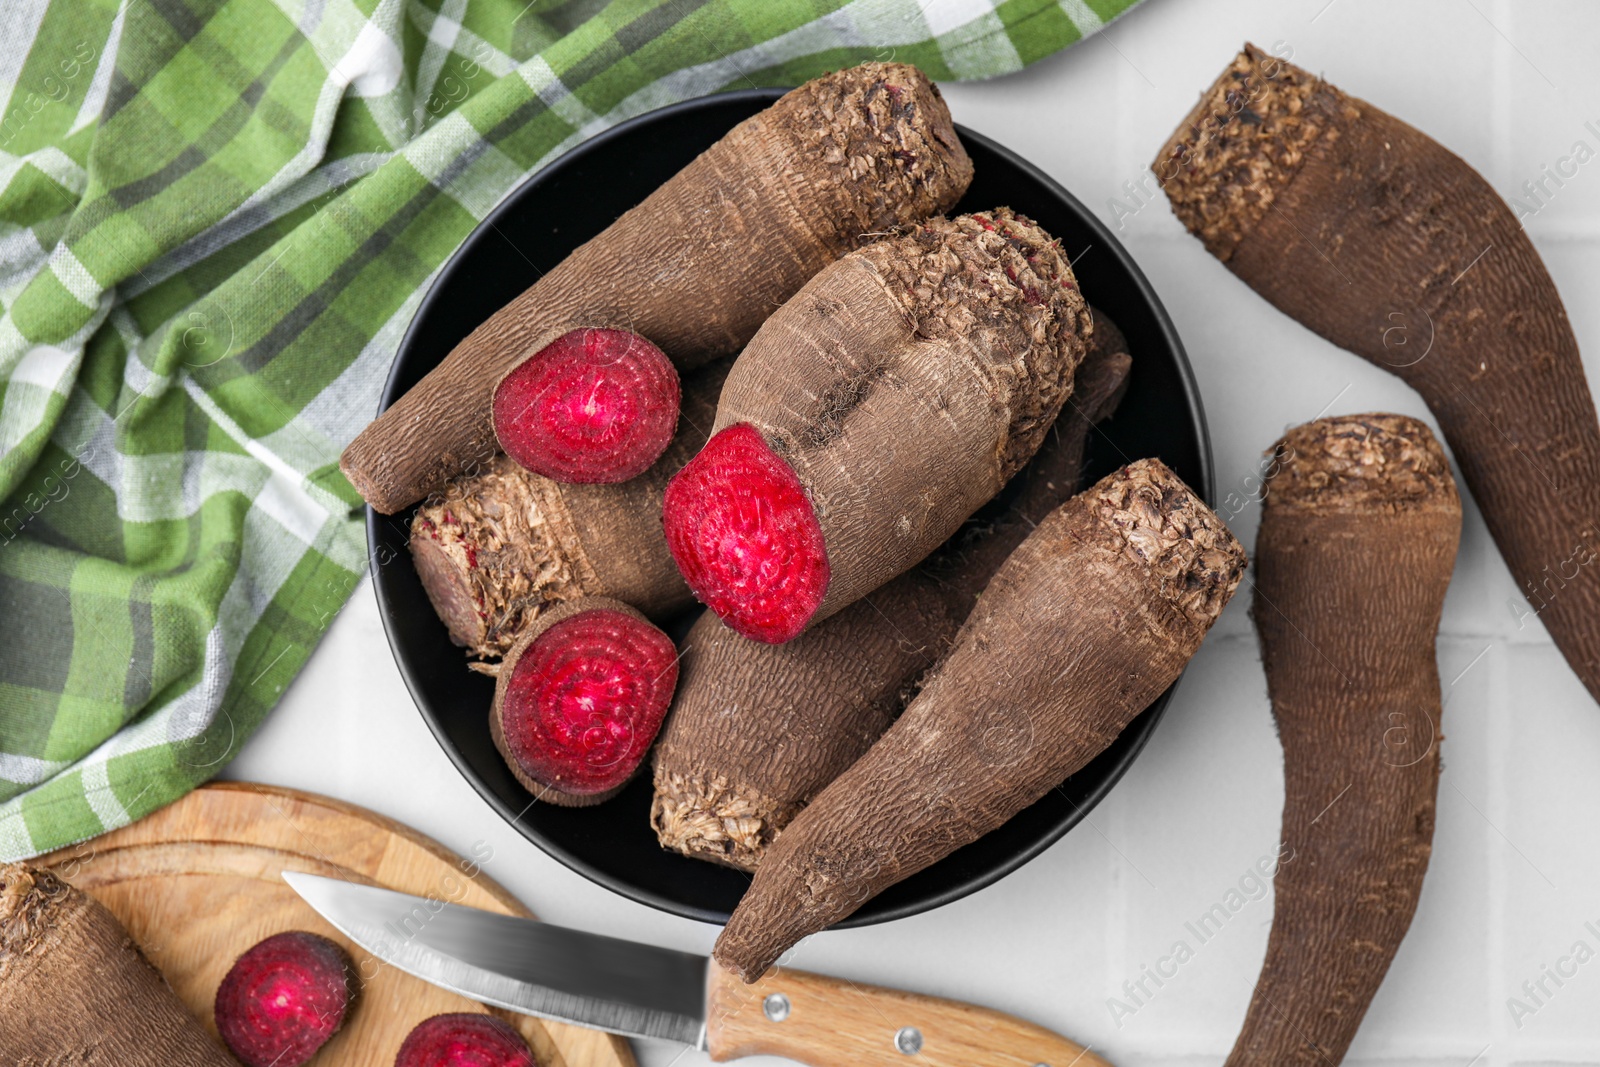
(241, 223)
(27, 770)
(373, 66)
(15, 841)
(304, 497)
(45, 366)
(88, 434)
(270, 552)
(13, 346)
(10, 165)
(980, 49)
(1079, 14)
(19, 28)
(371, 55)
(183, 718)
(21, 256)
(484, 53)
(11, 288)
(357, 387)
(26, 403)
(193, 710)
(121, 320)
(484, 181)
(301, 163)
(53, 164)
(283, 500)
(337, 29)
(94, 98)
(187, 715)
(435, 151)
(102, 799)
(74, 276)
(837, 29)
(366, 52)
(26, 406)
(199, 476)
(858, 24)
(468, 44)
(553, 91)
(437, 48)
(943, 16)
(61, 169)
(144, 484)
(8, 296)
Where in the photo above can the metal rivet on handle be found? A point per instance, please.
(908, 1039)
(775, 1007)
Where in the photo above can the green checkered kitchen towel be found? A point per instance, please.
(216, 219)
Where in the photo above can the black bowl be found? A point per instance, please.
(572, 200)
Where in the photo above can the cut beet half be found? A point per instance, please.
(464, 1039)
(283, 999)
(744, 533)
(594, 405)
(579, 700)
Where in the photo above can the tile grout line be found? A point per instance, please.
(1116, 948)
(1500, 101)
(1497, 728)
(1122, 146)
(1117, 954)
(1498, 737)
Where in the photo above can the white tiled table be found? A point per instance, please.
(1516, 872)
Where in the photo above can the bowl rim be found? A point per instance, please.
(960, 887)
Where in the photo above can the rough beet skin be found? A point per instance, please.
(1088, 621)
(894, 395)
(464, 1039)
(728, 777)
(499, 548)
(579, 700)
(745, 535)
(594, 405)
(283, 999)
(699, 264)
(76, 989)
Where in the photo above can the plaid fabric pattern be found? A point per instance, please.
(216, 219)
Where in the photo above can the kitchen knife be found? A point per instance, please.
(642, 991)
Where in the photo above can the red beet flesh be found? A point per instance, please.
(592, 406)
(744, 534)
(283, 999)
(586, 699)
(464, 1039)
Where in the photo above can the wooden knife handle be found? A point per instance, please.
(830, 1022)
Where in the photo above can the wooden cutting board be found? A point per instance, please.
(199, 882)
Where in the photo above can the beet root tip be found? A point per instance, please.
(579, 701)
(743, 531)
(594, 405)
(464, 1039)
(284, 998)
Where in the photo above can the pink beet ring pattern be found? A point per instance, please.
(583, 702)
(744, 533)
(594, 405)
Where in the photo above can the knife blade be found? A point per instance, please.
(520, 964)
(638, 990)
